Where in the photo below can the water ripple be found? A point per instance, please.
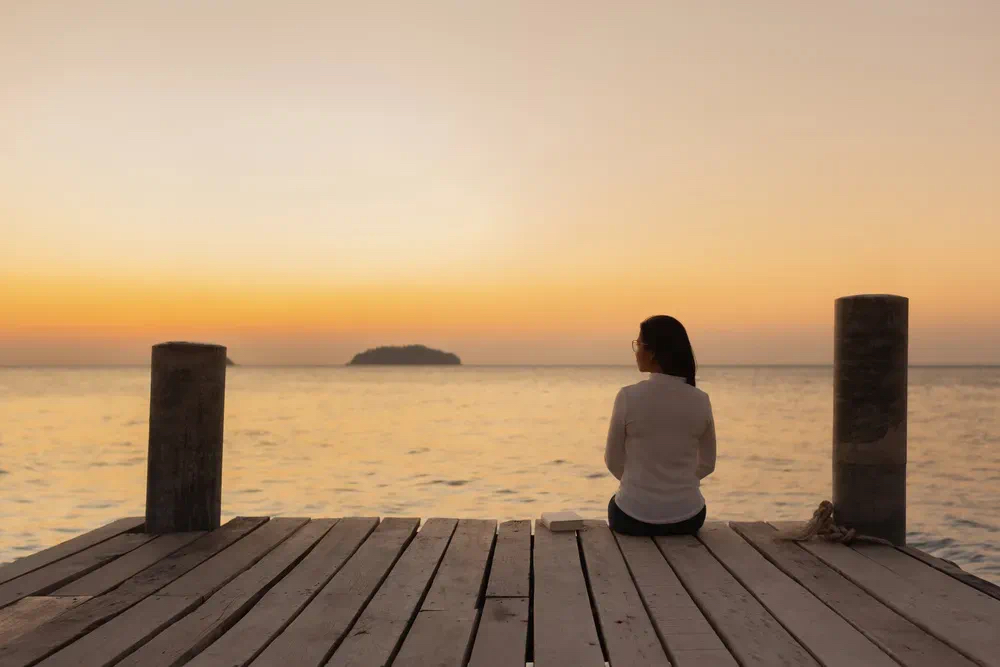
(486, 442)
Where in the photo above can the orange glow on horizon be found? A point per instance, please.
(522, 182)
(132, 315)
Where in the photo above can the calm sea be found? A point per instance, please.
(479, 441)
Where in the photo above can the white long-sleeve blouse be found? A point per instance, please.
(661, 444)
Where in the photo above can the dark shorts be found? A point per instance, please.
(626, 525)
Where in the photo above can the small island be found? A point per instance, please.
(230, 362)
(407, 355)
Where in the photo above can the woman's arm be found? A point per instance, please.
(706, 446)
(614, 452)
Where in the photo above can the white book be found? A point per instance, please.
(556, 521)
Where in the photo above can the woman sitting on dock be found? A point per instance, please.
(661, 442)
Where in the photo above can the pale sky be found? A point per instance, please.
(517, 182)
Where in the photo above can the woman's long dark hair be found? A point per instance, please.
(668, 341)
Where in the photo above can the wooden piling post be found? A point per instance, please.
(869, 414)
(186, 404)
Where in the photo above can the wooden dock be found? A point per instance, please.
(176, 588)
(362, 592)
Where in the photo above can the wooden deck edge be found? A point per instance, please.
(954, 571)
(61, 550)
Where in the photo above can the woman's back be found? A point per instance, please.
(661, 443)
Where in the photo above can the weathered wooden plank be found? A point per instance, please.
(454, 632)
(109, 643)
(909, 645)
(109, 576)
(629, 637)
(462, 573)
(502, 636)
(752, 635)
(967, 631)
(948, 591)
(375, 637)
(688, 636)
(501, 640)
(442, 631)
(131, 629)
(30, 612)
(74, 623)
(172, 568)
(185, 638)
(831, 640)
(952, 570)
(223, 567)
(310, 639)
(565, 632)
(510, 569)
(46, 579)
(282, 603)
(30, 563)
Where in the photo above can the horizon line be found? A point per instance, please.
(514, 365)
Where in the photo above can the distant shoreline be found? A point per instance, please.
(405, 355)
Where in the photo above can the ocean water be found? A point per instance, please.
(497, 442)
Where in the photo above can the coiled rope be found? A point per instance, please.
(822, 526)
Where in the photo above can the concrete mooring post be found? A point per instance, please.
(869, 414)
(186, 405)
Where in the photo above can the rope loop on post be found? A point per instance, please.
(823, 526)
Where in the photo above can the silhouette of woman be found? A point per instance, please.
(661, 441)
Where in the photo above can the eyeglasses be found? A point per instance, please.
(636, 344)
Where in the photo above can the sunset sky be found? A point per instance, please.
(515, 181)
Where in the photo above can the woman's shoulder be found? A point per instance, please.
(699, 394)
(631, 389)
(629, 393)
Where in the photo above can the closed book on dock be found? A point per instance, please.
(556, 521)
